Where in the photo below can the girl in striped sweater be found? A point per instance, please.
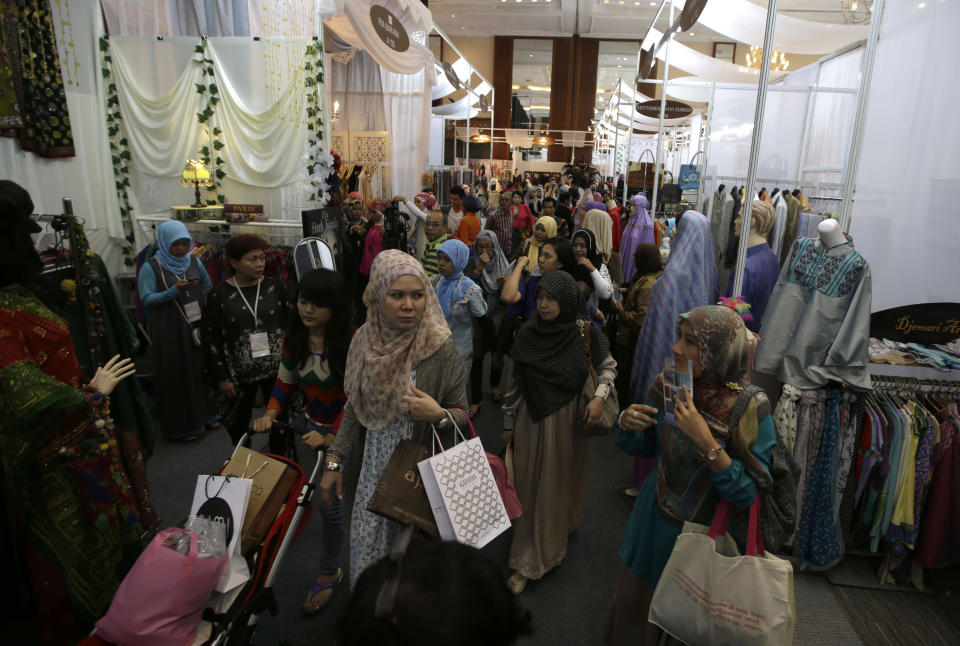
(314, 360)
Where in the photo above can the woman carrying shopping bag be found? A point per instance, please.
(716, 341)
(403, 374)
(551, 456)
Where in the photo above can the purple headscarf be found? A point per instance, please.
(689, 280)
(639, 229)
(589, 206)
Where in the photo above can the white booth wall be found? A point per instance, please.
(905, 216)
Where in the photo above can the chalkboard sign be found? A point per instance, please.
(316, 222)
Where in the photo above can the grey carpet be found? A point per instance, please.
(820, 620)
(895, 618)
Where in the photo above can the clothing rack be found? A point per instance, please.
(892, 382)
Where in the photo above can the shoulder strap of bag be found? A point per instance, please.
(740, 406)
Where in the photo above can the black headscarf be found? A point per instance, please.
(19, 262)
(550, 361)
(590, 238)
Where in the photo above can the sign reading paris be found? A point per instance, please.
(389, 28)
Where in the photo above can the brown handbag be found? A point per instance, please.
(611, 406)
(400, 495)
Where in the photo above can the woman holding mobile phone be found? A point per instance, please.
(172, 286)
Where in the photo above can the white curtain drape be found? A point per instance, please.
(214, 17)
(406, 104)
(356, 85)
(905, 215)
(698, 64)
(355, 26)
(261, 113)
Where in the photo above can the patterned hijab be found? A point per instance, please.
(689, 281)
(601, 225)
(639, 230)
(497, 265)
(382, 357)
(549, 358)
(533, 253)
(451, 289)
(168, 233)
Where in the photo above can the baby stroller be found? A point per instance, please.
(237, 625)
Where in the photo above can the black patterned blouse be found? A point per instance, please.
(228, 324)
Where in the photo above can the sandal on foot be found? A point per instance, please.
(472, 412)
(496, 395)
(517, 583)
(317, 588)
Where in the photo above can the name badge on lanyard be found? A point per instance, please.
(259, 345)
(259, 341)
(192, 311)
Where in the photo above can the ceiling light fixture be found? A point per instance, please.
(778, 60)
(857, 11)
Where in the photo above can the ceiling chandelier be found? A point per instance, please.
(778, 60)
(480, 138)
(856, 11)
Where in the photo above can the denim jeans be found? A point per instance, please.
(331, 534)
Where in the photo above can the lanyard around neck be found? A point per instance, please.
(256, 304)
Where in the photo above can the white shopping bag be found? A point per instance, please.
(710, 594)
(463, 493)
(225, 500)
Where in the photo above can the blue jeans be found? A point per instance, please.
(331, 534)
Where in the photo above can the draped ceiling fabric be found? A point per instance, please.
(745, 22)
(353, 24)
(697, 64)
(406, 103)
(294, 18)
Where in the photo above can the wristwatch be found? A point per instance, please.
(712, 455)
(333, 465)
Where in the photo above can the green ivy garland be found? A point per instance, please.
(206, 117)
(318, 166)
(119, 153)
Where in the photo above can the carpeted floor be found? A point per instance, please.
(897, 618)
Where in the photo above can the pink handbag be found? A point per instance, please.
(504, 483)
(161, 599)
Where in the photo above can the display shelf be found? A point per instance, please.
(916, 372)
(275, 224)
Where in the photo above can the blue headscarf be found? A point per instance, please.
(689, 281)
(451, 288)
(168, 233)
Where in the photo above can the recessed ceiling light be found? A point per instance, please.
(531, 55)
(653, 4)
(453, 15)
(692, 34)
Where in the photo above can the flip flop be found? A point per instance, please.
(497, 396)
(317, 588)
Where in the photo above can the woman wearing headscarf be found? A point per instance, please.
(461, 299)
(648, 268)
(500, 222)
(403, 374)
(541, 418)
(488, 268)
(598, 221)
(545, 229)
(588, 257)
(583, 208)
(689, 280)
(639, 230)
(700, 459)
(172, 286)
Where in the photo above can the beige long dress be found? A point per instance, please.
(551, 464)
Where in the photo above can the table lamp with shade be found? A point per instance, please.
(196, 174)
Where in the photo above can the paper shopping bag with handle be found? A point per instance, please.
(710, 594)
(400, 495)
(272, 480)
(463, 493)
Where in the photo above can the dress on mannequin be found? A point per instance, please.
(817, 325)
(366, 189)
(761, 268)
(780, 226)
(790, 229)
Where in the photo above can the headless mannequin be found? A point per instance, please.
(830, 233)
